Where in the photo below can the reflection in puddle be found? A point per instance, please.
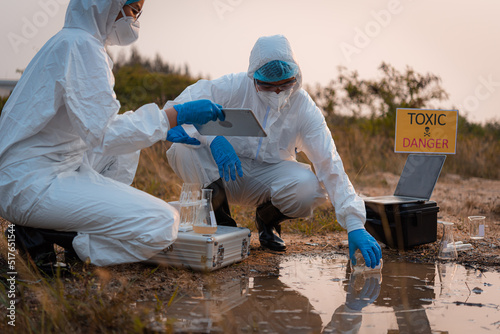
(319, 295)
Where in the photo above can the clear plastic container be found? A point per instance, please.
(360, 265)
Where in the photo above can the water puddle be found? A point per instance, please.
(320, 295)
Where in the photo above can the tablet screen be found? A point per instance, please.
(238, 122)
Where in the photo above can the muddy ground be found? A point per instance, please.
(456, 197)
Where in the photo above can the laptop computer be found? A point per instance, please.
(417, 180)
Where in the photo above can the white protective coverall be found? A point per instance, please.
(269, 164)
(67, 158)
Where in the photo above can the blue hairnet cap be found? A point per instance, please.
(130, 1)
(276, 70)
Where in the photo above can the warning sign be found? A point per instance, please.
(426, 131)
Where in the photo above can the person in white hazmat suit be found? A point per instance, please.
(270, 178)
(67, 158)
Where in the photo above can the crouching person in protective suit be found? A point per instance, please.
(67, 158)
(263, 171)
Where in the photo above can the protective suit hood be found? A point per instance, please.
(94, 16)
(269, 48)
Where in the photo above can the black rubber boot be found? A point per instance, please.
(39, 244)
(63, 239)
(267, 220)
(220, 204)
(29, 241)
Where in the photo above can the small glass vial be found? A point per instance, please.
(360, 265)
(447, 248)
(205, 222)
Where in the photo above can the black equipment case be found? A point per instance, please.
(404, 225)
(408, 218)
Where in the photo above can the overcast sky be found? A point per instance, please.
(456, 40)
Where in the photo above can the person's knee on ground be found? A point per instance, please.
(135, 245)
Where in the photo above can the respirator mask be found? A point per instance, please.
(275, 101)
(125, 31)
(267, 92)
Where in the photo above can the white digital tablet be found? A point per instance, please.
(238, 122)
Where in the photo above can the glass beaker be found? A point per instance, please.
(205, 222)
(447, 248)
(188, 203)
(476, 227)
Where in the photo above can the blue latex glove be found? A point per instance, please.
(177, 134)
(370, 249)
(198, 112)
(357, 300)
(226, 159)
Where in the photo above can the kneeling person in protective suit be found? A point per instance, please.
(264, 172)
(67, 158)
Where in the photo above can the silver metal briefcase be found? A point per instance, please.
(206, 252)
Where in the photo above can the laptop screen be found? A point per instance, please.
(419, 175)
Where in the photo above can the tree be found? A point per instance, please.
(405, 90)
(379, 97)
(136, 86)
(139, 80)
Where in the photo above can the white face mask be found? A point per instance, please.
(276, 101)
(125, 31)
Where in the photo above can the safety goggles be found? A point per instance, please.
(268, 87)
(137, 12)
